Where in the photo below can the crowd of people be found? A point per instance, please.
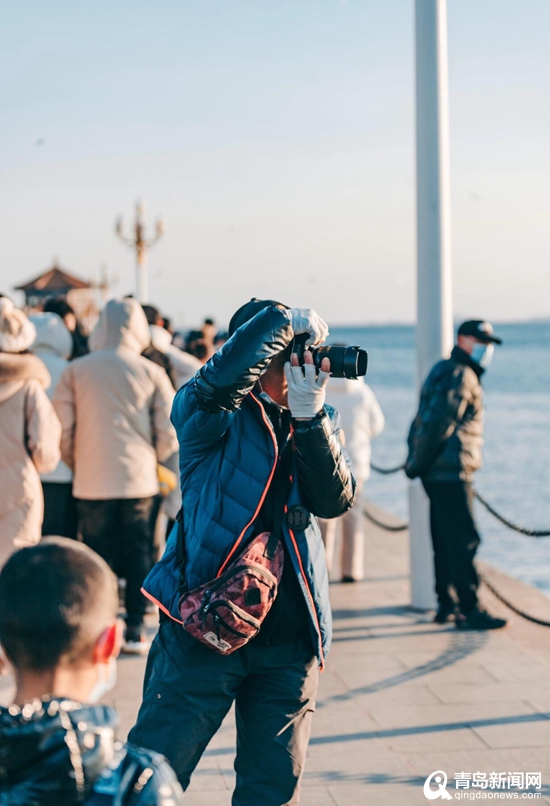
(255, 461)
(88, 445)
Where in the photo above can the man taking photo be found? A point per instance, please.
(256, 440)
(445, 450)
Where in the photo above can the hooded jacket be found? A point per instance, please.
(29, 436)
(114, 408)
(61, 753)
(53, 344)
(446, 436)
(184, 365)
(228, 458)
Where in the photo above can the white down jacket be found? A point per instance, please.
(184, 364)
(362, 419)
(114, 406)
(29, 436)
(53, 345)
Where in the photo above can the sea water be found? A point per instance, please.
(515, 477)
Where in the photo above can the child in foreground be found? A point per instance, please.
(58, 628)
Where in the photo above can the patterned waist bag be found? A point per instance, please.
(225, 613)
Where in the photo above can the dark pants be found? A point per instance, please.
(189, 689)
(60, 518)
(155, 512)
(455, 541)
(120, 530)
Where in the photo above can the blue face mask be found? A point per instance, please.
(482, 354)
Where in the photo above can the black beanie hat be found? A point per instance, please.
(249, 310)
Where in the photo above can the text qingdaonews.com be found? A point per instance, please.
(497, 795)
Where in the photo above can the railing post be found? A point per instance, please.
(434, 278)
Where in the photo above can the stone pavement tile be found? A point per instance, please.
(485, 692)
(406, 641)
(522, 759)
(207, 798)
(331, 741)
(357, 768)
(453, 714)
(539, 650)
(342, 719)
(443, 668)
(227, 770)
(451, 726)
(370, 667)
(531, 732)
(542, 704)
(526, 671)
(514, 652)
(406, 739)
(207, 776)
(369, 681)
(389, 793)
(405, 693)
(330, 683)
(382, 689)
(316, 796)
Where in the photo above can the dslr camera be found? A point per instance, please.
(345, 362)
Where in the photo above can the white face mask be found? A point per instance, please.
(106, 681)
(268, 399)
(482, 354)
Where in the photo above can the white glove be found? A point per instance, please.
(306, 320)
(306, 390)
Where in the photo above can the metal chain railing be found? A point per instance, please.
(509, 604)
(521, 529)
(516, 528)
(386, 471)
(401, 527)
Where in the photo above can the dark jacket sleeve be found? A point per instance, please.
(232, 372)
(324, 469)
(204, 408)
(443, 402)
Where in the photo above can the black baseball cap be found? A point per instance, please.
(249, 310)
(480, 330)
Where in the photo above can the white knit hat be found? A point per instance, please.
(16, 332)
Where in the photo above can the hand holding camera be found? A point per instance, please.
(306, 386)
(310, 331)
(306, 320)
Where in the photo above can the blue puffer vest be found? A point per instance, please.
(227, 460)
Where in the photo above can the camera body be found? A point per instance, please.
(345, 362)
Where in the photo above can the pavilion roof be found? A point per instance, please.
(54, 280)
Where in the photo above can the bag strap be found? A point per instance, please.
(282, 479)
(180, 551)
(180, 545)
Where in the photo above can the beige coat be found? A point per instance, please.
(29, 436)
(114, 407)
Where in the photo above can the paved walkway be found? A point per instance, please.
(402, 697)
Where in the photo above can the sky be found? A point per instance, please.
(276, 140)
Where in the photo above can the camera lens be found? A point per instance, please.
(345, 362)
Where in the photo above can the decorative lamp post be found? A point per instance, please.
(141, 244)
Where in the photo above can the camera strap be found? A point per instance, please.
(282, 481)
